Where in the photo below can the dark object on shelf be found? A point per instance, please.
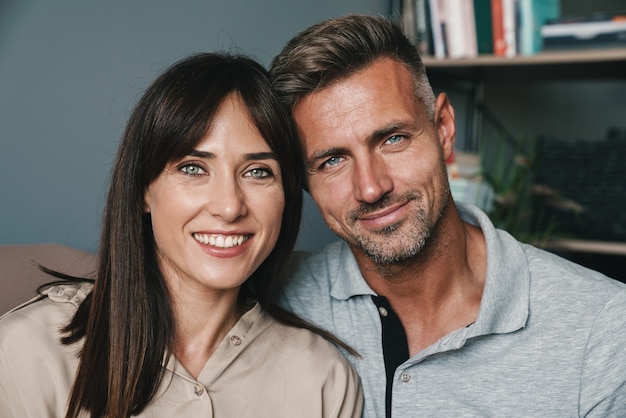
(591, 173)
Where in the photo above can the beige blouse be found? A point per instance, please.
(261, 369)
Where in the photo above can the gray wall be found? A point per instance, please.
(70, 73)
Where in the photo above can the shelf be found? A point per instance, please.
(558, 65)
(584, 246)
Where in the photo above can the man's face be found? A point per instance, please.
(375, 162)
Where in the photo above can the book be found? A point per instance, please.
(460, 29)
(497, 26)
(424, 30)
(469, 29)
(533, 14)
(509, 13)
(437, 25)
(484, 30)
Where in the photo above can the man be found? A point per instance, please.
(450, 316)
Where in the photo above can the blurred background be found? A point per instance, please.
(72, 70)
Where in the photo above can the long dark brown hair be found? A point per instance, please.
(127, 322)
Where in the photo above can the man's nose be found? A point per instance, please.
(371, 180)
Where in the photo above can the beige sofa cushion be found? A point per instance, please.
(20, 276)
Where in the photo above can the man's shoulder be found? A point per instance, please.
(316, 265)
(544, 264)
(572, 284)
(313, 281)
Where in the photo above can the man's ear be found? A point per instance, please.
(446, 124)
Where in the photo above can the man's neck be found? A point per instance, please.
(440, 289)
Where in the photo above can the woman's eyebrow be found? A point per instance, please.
(247, 156)
(201, 154)
(261, 156)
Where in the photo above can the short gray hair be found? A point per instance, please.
(337, 48)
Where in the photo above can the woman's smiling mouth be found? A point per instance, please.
(219, 240)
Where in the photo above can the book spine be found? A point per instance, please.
(510, 28)
(422, 21)
(460, 29)
(484, 29)
(437, 28)
(469, 29)
(497, 24)
(533, 15)
(455, 42)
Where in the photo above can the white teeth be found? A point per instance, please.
(221, 241)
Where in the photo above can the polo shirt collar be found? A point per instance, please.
(347, 280)
(506, 296)
(505, 301)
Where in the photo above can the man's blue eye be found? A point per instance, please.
(395, 139)
(333, 161)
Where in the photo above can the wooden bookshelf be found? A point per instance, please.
(585, 246)
(545, 66)
(576, 65)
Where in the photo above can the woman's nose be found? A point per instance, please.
(227, 201)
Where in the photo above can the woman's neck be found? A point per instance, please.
(201, 323)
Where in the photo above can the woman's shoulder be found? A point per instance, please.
(37, 368)
(43, 316)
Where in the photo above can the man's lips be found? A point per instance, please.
(385, 217)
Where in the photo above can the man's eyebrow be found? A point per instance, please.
(323, 154)
(386, 131)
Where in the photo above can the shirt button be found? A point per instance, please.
(383, 312)
(61, 292)
(235, 340)
(405, 377)
(198, 390)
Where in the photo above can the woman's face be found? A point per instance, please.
(216, 213)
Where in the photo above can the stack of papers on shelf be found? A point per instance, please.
(595, 31)
(466, 183)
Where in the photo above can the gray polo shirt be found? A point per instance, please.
(549, 340)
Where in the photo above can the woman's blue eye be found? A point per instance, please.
(191, 169)
(260, 173)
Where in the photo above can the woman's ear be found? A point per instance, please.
(445, 124)
(147, 201)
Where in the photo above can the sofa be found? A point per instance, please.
(20, 275)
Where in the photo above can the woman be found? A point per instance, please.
(179, 320)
